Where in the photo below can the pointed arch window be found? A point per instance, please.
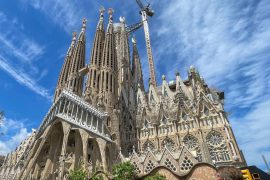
(206, 111)
(146, 123)
(164, 120)
(184, 116)
(192, 144)
(217, 147)
(152, 99)
(148, 145)
(168, 143)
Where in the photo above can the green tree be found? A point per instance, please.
(123, 171)
(77, 174)
(97, 177)
(156, 176)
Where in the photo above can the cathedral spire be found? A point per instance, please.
(77, 63)
(108, 78)
(123, 57)
(92, 85)
(63, 77)
(110, 25)
(100, 25)
(108, 71)
(108, 93)
(136, 67)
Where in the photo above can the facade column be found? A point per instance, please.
(207, 157)
(102, 128)
(97, 124)
(78, 149)
(72, 112)
(55, 142)
(65, 104)
(34, 154)
(60, 104)
(102, 146)
(76, 116)
(84, 137)
(86, 118)
(92, 117)
(223, 120)
(35, 173)
(233, 149)
(56, 108)
(81, 120)
(66, 130)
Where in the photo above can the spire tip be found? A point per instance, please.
(102, 10)
(84, 23)
(110, 11)
(74, 34)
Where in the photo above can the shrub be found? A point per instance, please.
(78, 174)
(123, 171)
(156, 176)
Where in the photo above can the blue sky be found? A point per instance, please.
(227, 40)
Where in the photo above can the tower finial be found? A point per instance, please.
(110, 12)
(84, 24)
(74, 35)
(102, 10)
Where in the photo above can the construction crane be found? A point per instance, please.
(146, 9)
(145, 12)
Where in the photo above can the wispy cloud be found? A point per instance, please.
(228, 42)
(67, 14)
(24, 79)
(16, 132)
(253, 133)
(24, 50)
(18, 55)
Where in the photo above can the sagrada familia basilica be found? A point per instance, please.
(102, 114)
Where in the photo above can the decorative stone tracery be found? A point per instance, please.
(168, 143)
(217, 147)
(192, 144)
(148, 145)
(186, 164)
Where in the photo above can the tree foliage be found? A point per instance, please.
(156, 176)
(123, 171)
(97, 176)
(78, 174)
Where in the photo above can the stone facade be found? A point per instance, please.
(178, 129)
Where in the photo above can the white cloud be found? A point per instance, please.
(14, 42)
(228, 42)
(253, 133)
(24, 50)
(24, 79)
(18, 55)
(16, 132)
(67, 14)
